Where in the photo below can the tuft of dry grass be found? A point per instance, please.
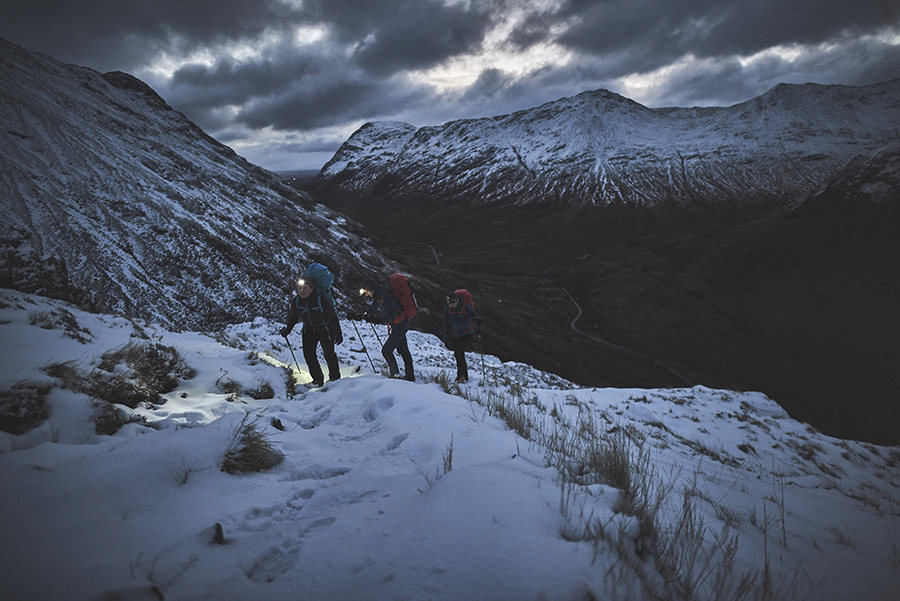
(60, 319)
(23, 407)
(130, 375)
(136, 373)
(250, 450)
(109, 418)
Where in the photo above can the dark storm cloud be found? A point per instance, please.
(423, 35)
(533, 29)
(232, 82)
(124, 34)
(656, 31)
(312, 87)
(358, 64)
(332, 102)
(298, 89)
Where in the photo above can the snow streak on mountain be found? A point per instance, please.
(598, 148)
(114, 200)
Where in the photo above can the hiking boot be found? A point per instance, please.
(462, 379)
(317, 383)
(409, 378)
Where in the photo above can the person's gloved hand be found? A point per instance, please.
(339, 338)
(285, 331)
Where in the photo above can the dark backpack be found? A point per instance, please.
(312, 310)
(399, 285)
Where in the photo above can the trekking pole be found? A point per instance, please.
(481, 350)
(292, 354)
(358, 335)
(376, 333)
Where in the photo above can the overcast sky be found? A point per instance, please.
(285, 82)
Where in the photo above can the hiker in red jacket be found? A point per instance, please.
(460, 323)
(385, 308)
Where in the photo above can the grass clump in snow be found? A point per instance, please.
(133, 374)
(263, 390)
(668, 527)
(154, 367)
(23, 407)
(650, 519)
(250, 450)
(60, 319)
(109, 417)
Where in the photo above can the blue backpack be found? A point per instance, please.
(322, 278)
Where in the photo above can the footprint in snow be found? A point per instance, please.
(274, 562)
(374, 409)
(282, 558)
(317, 418)
(395, 442)
(314, 472)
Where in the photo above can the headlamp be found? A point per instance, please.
(301, 282)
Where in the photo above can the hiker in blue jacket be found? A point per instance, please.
(320, 326)
(385, 308)
(460, 323)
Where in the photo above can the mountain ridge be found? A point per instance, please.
(115, 201)
(601, 149)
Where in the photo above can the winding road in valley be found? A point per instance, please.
(437, 259)
(616, 346)
(574, 326)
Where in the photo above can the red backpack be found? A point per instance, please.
(400, 288)
(466, 297)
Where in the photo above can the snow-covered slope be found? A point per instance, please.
(867, 183)
(598, 148)
(396, 490)
(112, 199)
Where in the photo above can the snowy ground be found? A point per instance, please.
(397, 490)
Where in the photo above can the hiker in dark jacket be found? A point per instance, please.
(384, 308)
(460, 322)
(320, 326)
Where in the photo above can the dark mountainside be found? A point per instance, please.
(793, 293)
(116, 202)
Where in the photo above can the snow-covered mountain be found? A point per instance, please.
(112, 199)
(599, 148)
(866, 184)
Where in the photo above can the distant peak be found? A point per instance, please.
(130, 83)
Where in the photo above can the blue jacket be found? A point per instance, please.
(459, 323)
